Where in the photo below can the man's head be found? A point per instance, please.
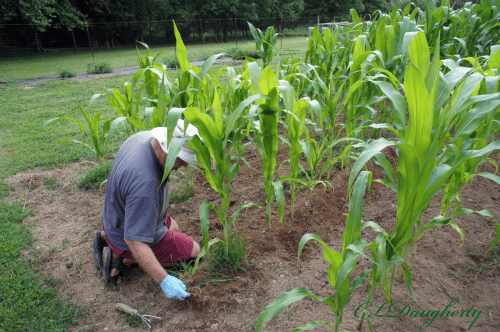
(186, 155)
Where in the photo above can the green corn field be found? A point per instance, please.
(424, 82)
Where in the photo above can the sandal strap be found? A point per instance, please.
(117, 264)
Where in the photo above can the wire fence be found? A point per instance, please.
(111, 35)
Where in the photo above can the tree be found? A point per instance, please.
(68, 17)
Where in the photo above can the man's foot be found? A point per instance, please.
(111, 267)
(98, 245)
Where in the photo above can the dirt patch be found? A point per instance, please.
(67, 216)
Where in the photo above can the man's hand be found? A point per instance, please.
(174, 288)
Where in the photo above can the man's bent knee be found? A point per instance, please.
(174, 226)
(196, 250)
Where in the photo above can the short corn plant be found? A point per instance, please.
(341, 266)
(264, 43)
(99, 136)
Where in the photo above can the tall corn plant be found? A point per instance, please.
(421, 170)
(264, 119)
(340, 269)
(217, 163)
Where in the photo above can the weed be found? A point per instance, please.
(171, 62)
(181, 269)
(182, 194)
(486, 264)
(65, 243)
(52, 249)
(132, 320)
(88, 329)
(185, 192)
(78, 265)
(238, 53)
(66, 73)
(50, 182)
(93, 177)
(99, 68)
(238, 251)
(8, 81)
(52, 197)
(304, 173)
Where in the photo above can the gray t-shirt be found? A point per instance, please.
(135, 206)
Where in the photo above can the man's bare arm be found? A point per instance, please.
(147, 260)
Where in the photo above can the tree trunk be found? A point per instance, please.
(225, 31)
(74, 40)
(112, 42)
(38, 44)
(107, 44)
(202, 34)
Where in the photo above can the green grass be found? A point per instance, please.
(47, 64)
(28, 302)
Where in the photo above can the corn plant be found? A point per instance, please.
(425, 162)
(264, 43)
(217, 163)
(340, 269)
(99, 136)
(124, 104)
(467, 31)
(264, 118)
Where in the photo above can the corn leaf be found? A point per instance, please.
(181, 51)
(280, 303)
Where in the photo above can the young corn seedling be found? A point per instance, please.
(339, 271)
(264, 43)
(99, 137)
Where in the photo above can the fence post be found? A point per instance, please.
(236, 25)
(318, 22)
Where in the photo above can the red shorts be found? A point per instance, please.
(172, 248)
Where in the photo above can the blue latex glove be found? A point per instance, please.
(174, 288)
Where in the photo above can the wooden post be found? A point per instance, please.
(318, 22)
(236, 25)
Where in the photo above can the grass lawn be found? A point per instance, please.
(50, 63)
(29, 300)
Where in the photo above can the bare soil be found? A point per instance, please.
(67, 217)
